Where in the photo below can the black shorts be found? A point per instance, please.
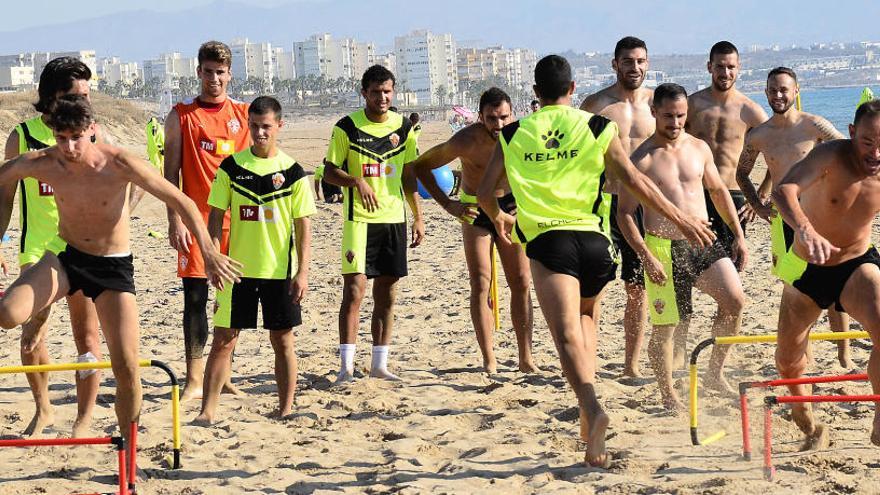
(631, 270)
(722, 231)
(94, 274)
(688, 263)
(507, 203)
(237, 305)
(374, 249)
(583, 255)
(824, 284)
(329, 190)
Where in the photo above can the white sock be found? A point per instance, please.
(380, 357)
(346, 357)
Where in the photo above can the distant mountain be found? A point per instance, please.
(671, 26)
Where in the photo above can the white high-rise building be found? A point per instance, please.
(252, 60)
(169, 67)
(322, 55)
(112, 69)
(285, 66)
(426, 66)
(17, 77)
(86, 56)
(514, 67)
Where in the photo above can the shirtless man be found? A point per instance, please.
(682, 167)
(783, 140)
(628, 104)
(91, 254)
(39, 225)
(474, 145)
(721, 116)
(555, 161)
(830, 198)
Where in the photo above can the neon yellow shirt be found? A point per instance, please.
(264, 195)
(555, 163)
(375, 152)
(155, 143)
(38, 213)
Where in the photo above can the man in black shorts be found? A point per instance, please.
(474, 145)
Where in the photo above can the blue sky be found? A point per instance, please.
(669, 26)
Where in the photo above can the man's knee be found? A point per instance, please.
(480, 284)
(732, 303)
(519, 282)
(11, 317)
(224, 340)
(790, 363)
(281, 339)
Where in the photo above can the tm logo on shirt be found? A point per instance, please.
(254, 213)
(46, 189)
(221, 147)
(379, 170)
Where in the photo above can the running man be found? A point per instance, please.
(721, 116)
(681, 166)
(199, 134)
(556, 161)
(90, 251)
(38, 216)
(628, 104)
(830, 198)
(783, 140)
(270, 199)
(474, 146)
(366, 157)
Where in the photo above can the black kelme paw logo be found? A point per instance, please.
(551, 140)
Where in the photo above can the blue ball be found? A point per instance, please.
(444, 178)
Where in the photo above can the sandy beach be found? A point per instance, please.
(448, 428)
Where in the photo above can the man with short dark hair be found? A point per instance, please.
(830, 199)
(555, 161)
(535, 105)
(366, 157)
(38, 217)
(90, 252)
(628, 104)
(474, 146)
(200, 133)
(783, 140)
(681, 166)
(269, 196)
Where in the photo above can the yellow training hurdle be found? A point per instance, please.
(143, 363)
(741, 339)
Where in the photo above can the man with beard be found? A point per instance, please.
(628, 104)
(783, 140)
(721, 116)
(682, 167)
(474, 145)
(830, 198)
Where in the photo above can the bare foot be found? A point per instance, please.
(720, 384)
(818, 440)
(278, 414)
(527, 366)
(230, 389)
(490, 365)
(843, 357)
(203, 420)
(81, 427)
(191, 392)
(596, 456)
(674, 405)
(385, 375)
(39, 422)
(632, 371)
